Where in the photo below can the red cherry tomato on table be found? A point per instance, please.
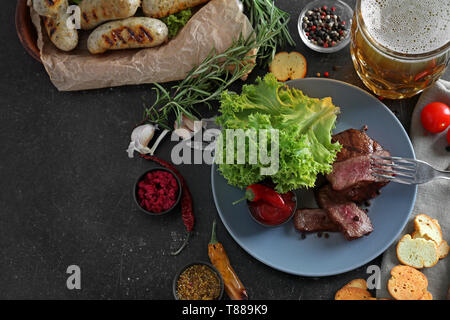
(435, 117)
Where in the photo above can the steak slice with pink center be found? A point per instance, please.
(354, 171)
(352, 221)
(311, 220)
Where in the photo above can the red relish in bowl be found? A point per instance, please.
(268, 214)
(158, 191)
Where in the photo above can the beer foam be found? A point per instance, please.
(408, 26)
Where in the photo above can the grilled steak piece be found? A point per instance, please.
(349, 172)
(311, 220)
(355, 143)
(327, 197)
(352, 221)
(350, 181)
(352, 173)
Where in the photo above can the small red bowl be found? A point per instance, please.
(294, 198)
(26, 30)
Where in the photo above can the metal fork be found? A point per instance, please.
(404, 170)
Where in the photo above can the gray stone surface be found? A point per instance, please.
(66, 181)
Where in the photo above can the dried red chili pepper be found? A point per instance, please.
(187, 211)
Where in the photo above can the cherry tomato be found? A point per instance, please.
(448, 137)
(435, 117)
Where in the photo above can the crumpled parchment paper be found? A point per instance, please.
(215, 25)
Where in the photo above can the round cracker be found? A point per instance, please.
(407, 283)
(431, 223)
(352, 293)
(444, 249)
(427, 296)
(278, 66)
(414, 252)
(357, 283)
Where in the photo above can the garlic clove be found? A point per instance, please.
(188, 127)
(188, 123)
(140, 138)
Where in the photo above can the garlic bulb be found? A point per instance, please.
(140, 138)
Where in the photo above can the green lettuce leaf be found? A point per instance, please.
(304, 128)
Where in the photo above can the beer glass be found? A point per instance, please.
(400, 47)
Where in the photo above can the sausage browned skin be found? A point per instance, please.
(136, 32)
(50, 8)
(63, 37)
(95, 12)
(163, 8)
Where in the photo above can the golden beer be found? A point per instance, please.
(400, 47)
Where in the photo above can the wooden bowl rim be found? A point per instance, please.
(26, 31)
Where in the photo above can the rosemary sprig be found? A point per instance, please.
(264, 12)
(218, 71)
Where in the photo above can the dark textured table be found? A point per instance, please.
(65, 190)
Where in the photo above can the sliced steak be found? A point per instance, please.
(311, 220)
(349, 172)
(355, 143)
(353, 171)
(362, 191)
(352, 221)
(327, 197)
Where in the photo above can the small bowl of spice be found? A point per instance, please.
(324, 25)
(198, 281)
(157, 191)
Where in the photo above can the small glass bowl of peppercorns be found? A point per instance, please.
(324, 25)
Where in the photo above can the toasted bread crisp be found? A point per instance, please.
(443, 249)
(427, 228)
(357, 283)
(443, 246)
(417, 253)
(427, 296)
(353, 293)
(407, 283)
(287, 66)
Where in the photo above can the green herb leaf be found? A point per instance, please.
(177, 21)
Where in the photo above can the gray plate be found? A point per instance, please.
(282, 248)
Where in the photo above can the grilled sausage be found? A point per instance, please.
(63, 37)
(50, 8)
(95, 12)
(163, 8)
(136, 32)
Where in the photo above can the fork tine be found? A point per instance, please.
(393, 178)
(392, 165)
(394, 159)
(397, 166)
(393, 173)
